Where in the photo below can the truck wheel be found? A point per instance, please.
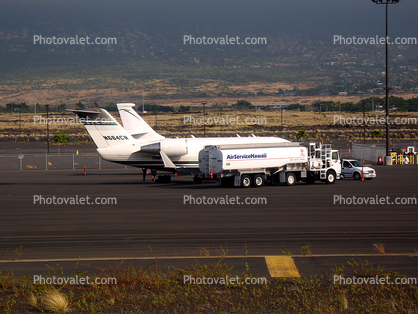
(245, 181)
(290, 178)
(330, 177)
(357, 176)
(258, 181)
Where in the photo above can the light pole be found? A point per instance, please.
(20, 126)
(156, 119)
(204, 117)
(47, 127)
(281, 116)
(387, 88)
(364, 123)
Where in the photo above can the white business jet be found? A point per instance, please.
(137, 144)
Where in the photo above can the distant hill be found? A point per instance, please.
(180, 45)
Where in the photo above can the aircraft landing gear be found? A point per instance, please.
(144, 173)
(197, 180)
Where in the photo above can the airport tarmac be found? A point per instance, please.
(151, 220)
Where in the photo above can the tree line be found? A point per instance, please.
(367, 104)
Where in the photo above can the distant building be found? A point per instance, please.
(277, 106)
(342, 93)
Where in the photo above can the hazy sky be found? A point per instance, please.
(351, 17)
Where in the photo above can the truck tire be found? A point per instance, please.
(258, 180)
(330, 177)
(245, 181)
(290, 178)
(356, 176)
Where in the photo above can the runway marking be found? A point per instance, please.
(281, 266)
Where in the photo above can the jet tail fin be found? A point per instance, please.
(135, 125)
(103, 128)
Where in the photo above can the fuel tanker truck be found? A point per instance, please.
(255, 164)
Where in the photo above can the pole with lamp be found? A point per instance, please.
(47, 128)
(387, 88)
(204, 118)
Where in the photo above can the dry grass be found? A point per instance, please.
(380, 248)
(319, 127)
(56, 302)
(50, 91)
(306, 250)
(342, 298)
(33, 300)
(150, 290)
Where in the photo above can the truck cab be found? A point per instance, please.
(324, 163)
(336, 161)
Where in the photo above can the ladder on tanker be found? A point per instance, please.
(325, 155)
(208, 161)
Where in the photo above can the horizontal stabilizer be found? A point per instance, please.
(102, 127)
(94, 115)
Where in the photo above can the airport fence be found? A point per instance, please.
(371, 153)
(55, 161)
(367, 152)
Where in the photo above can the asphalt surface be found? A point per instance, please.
(152, 220)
